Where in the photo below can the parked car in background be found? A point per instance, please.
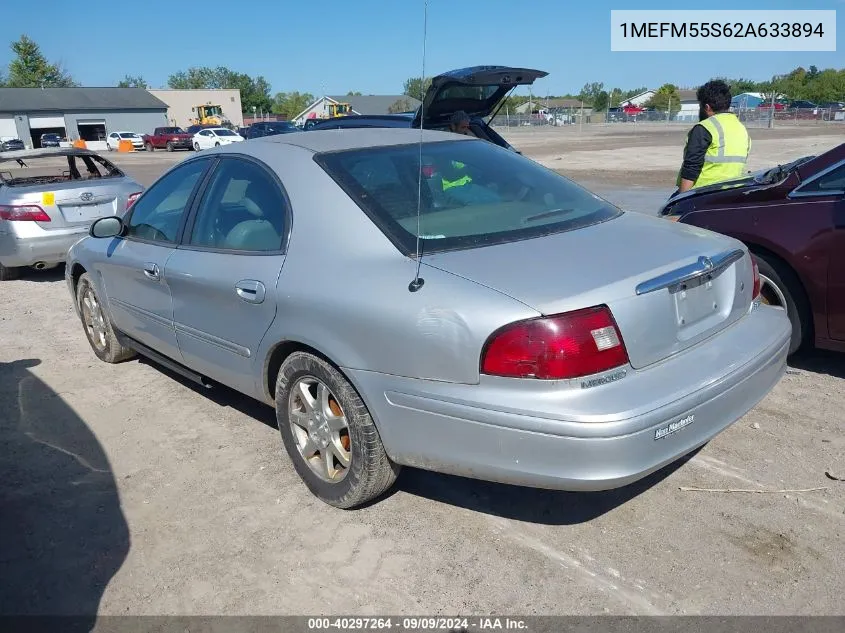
(478, 91)
(113, 140)
(269, 128)
(214, 137)
(193, 129)
(169, 138)
(48, 199)
(792, 218)
(11, 144)
(549, 339)
(50, 140)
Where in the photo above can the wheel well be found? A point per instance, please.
(277, 357)
(791, 277)
(75, 273)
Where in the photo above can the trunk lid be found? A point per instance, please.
(476, 90)
(648, 271)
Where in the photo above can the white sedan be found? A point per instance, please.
(214, 136)
(113, 140)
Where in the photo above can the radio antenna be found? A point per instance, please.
(418, 281)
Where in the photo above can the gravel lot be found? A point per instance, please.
(126, 490)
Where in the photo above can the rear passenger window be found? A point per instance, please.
(242, 209)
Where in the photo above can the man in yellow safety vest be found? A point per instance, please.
(717, 147)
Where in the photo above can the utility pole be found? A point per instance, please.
(772, 109)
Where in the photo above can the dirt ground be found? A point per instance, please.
(126, 490)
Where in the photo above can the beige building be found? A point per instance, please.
(181, 104)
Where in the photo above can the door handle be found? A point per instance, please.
(250, 290)
(151, 271)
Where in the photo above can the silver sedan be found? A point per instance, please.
(430, 300)
(49, 198)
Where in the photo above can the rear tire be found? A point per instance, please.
(97, 324)
(150, 147)
(369, 472)
(781, 287)
(169, 146)
(217, 144)
(7, 274)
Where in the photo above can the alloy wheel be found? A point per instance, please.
(320, 429)
(770, 294)
(94, 319)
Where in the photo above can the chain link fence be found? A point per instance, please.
(751, 117)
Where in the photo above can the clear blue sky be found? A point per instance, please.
(374, 45)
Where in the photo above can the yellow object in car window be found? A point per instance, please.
(48, 198)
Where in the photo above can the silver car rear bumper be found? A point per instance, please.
(468, 430)
(31, 244)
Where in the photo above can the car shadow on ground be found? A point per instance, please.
(63, 535)
(530, 505)
(222, 395)
(43, 276)
(820, 362)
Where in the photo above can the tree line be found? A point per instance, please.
(29, 68)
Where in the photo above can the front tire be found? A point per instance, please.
(97, 325)
(196, 147)
(217, 144)
(329, 434)
(781, 288)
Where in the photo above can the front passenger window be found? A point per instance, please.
(242, 209)
(156, 215)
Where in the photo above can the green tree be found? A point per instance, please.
(666, 99)
(130, 81)
(255, 92)
(353, 94)
(590, 92)
(416, 87)
(600, 103)
(290, 104)
(30, 69)
(401, 105)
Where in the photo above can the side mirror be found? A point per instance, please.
(111, 226)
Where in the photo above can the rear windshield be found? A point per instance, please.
(224, 133)
(128, 135)
(473, 193)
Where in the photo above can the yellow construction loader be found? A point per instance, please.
(208, 114)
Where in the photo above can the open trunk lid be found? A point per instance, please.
(476, 90)
(669, 286)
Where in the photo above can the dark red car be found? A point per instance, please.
(792, 217)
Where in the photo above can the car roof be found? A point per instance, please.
(358, 138)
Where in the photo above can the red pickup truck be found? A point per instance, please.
(169, 138)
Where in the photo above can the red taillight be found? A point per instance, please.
(557, 347)
(132, 198)
(757, 283)
(23, 213)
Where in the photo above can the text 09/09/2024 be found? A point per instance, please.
(709, 30)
